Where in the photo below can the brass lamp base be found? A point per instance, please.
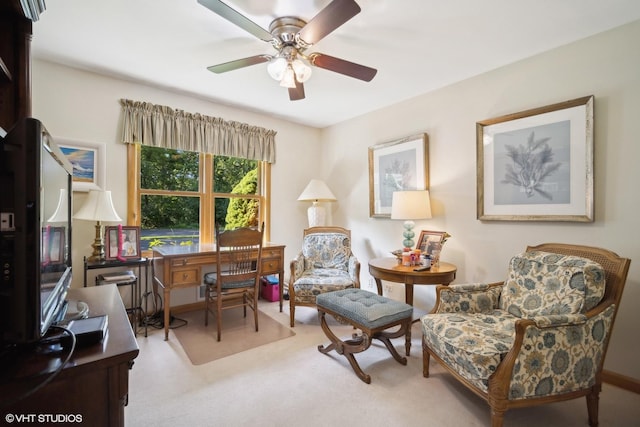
(98, 246)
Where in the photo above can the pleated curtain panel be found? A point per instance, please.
(162, 126)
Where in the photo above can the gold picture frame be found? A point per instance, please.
(537, 165)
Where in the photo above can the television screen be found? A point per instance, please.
(35, 232)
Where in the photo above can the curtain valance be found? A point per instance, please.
(162, 126)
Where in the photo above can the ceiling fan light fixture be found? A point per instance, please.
(277, 67)
(302, 70)
(289, 78)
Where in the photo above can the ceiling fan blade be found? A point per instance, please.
(296, 93)
(328, 19)
(341, 66)
(239, 63)
(237, 18)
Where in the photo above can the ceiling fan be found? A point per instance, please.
(291, 36)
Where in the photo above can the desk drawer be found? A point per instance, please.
(192, 260)
(271, 266)
(184, 277)
(272, 253)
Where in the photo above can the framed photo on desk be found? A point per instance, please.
(122, 242)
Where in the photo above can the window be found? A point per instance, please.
(177, 196)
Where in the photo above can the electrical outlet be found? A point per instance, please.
(388, 289)
(200, 293)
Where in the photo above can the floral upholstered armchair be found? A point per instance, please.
(325, 264)
(540, 336)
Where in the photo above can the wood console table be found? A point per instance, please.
(389, 269)
(92, 388)
(181, 267)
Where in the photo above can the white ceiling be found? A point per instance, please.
(416, 45)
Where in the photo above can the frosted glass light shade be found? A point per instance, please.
(276, 68)
(289, 78)
(303, 72)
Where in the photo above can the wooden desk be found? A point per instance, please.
(181, 267)
(389, 269)
(93, 385)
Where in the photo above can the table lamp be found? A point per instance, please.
(410, 205)
(61, 214)
(98, 207)
(316, 191)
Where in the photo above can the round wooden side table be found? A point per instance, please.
(389, 269)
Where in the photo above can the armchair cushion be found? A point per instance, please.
(316, 281)
(469, 298)
(541, 283)
(473, 344)
(326, 250)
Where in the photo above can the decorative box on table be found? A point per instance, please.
(270, 288)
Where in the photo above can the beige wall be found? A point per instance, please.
(606, 66)
(84, 106)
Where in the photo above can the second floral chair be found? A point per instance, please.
(324, 264)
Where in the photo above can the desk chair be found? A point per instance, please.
(236, 282)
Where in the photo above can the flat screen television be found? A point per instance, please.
(35, 232)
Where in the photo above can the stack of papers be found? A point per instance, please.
(119, 276)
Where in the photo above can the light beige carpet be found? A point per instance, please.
(238, 334)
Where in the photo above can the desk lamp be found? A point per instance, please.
(98, 207)
(410, 205)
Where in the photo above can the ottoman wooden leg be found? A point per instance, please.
(374, 315)
(346, 348)
(385, 337)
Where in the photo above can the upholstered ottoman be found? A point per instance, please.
(373, 315)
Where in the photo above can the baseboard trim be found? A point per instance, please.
(187, 307)
(622, 381)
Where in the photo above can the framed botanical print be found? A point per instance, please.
(537, 165)
(398, 165)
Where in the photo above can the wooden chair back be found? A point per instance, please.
(239, 254)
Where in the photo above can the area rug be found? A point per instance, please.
(238, 334)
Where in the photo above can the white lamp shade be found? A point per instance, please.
(61, 213)
(317, 191)
(98, 207)
(413, 204)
